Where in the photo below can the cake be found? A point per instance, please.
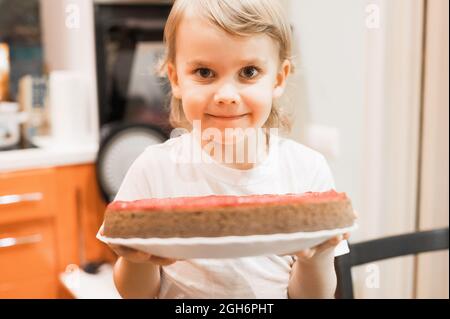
(228, 215)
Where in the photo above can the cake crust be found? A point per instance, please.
(218, 215)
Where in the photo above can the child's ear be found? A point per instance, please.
(173, 78)
(282, 75)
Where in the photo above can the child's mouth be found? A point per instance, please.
(227, 117)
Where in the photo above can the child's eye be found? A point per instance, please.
(249, 72)
(204, 72)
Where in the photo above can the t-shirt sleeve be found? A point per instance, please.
(323, 181)
(135, 184)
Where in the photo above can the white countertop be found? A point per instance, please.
(48, 154)
(89, 286)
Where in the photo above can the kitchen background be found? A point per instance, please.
(370, 93)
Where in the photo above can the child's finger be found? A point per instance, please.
(306, 253)
(140, 256)
(130, 253)
(123, 249)
(330, 243)
(161, 260)
(117, 249)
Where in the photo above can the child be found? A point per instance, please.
(212, 45)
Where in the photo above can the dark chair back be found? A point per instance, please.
(384, 248)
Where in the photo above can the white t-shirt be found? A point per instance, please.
(173, 169)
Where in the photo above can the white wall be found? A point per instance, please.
(364, 84)
(328, 88)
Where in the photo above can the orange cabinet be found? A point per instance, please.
(27, 195)
(48, 220)
(28, 260)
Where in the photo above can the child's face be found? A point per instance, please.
(225, 81)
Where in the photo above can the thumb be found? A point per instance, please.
(161, 260)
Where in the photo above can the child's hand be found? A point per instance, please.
(137, 256)
(315, 253)
(327, 248)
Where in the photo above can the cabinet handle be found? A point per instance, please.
(18, 198)
(16, 241)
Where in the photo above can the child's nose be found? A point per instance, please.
(227, 94)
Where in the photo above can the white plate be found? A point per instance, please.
(228, 246)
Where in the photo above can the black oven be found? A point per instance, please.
(128, 41)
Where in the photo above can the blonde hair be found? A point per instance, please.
(236, 17)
